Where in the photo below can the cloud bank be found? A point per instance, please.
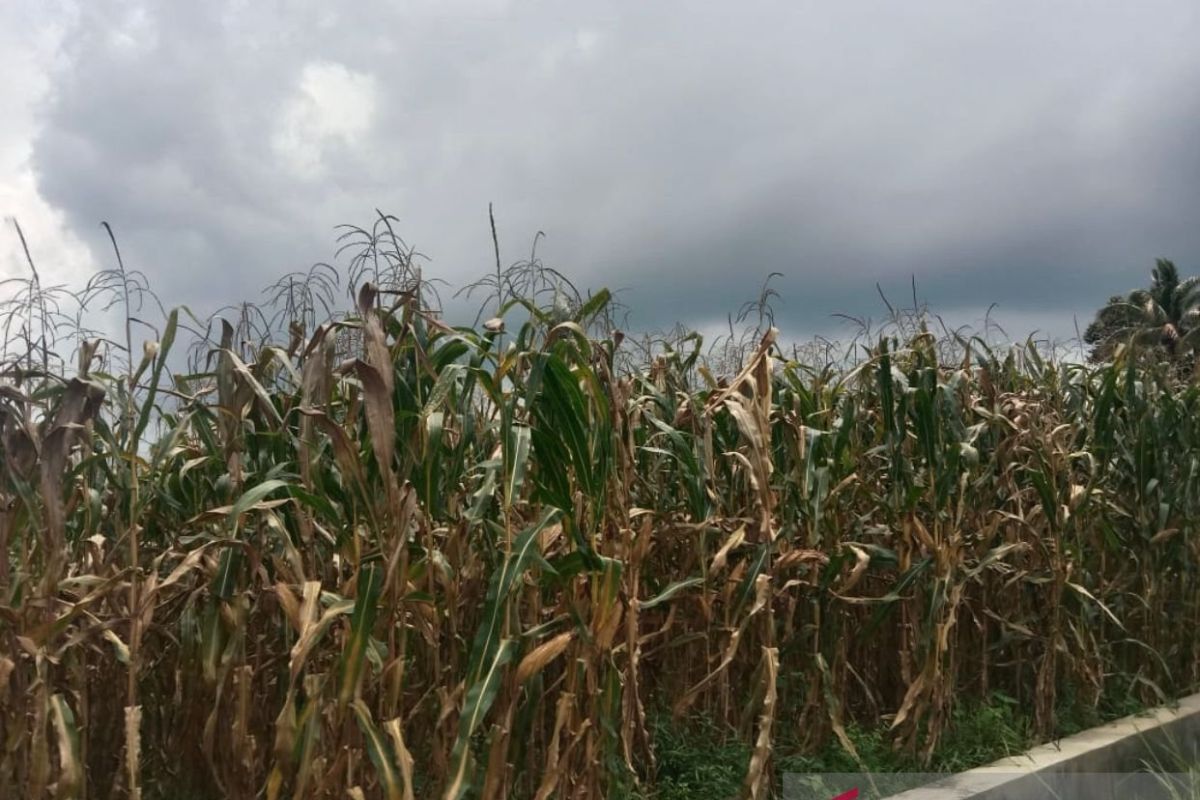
(1037, 156)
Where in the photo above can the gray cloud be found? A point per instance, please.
(1030, 155)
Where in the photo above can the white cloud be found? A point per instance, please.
(29, 41)
(576, 47)
(135, 34)
(333, 106)
(1039, 155)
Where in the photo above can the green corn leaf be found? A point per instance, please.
(160, 360)
(516, 461)
(593, 306)
(672, 590)
(482, 497)
(254, 495)
(487, 638)
(370, 582)
(379, 752)
(224, 582)
(445, 383)
(480, 696)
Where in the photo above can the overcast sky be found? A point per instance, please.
(1031, 154)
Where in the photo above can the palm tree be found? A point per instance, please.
(1167, 314)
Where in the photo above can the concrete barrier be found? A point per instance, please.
(1098, 764)
(1108, 762)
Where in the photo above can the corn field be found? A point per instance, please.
(393, 558)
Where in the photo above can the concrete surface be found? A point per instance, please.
(1097, 764)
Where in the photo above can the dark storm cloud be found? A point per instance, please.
(1030, 155)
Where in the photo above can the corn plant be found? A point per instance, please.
(394, 558)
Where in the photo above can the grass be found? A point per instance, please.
(1176, 771)
(328, 546)
(698, 760)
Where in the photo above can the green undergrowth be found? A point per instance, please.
(698, 760)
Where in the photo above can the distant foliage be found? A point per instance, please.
(1166, 316)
